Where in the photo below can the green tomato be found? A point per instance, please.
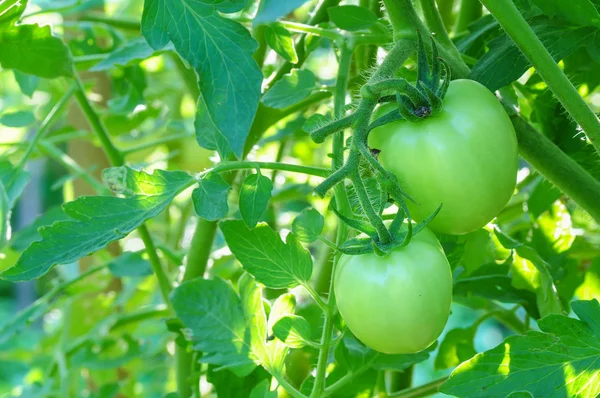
(399, 303)
(464, 158)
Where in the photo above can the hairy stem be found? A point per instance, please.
(511, 20)
(558, 167)
(341, 198)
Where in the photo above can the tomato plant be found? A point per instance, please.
(465, 158)
(398, 303)
(306, 199)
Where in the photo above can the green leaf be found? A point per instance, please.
(560, 361)
(315, 122)
(541, 197)
(504, 62)
(15, 184)
(107, 353)
(276, 350)
(17, 119)
(27, 83)
(493, 282)
(352, 18)
(99, 220)
(10, 12)
(213, 313)
(538, 277)
(579, 12)
(29, 234)
(262, 390)
(226, 384)
(354, 356)
(132, 52)
(208, 134)
(456, 348)
(24, 318)
(264, 255)
(271, 10)
(210, 198)
(308, 225)
(281, 41)
(220, 50)
(293, 330)
(254, 198)
(130, 264)
(291, 89)
(33, 50)
(479, 250)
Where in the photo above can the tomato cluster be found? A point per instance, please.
(464, 158)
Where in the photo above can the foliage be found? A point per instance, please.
(179, 179)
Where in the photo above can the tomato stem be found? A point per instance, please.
(511, 20)
(421, 391)
(342, 203)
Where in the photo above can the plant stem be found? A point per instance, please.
(511, 20)
(159, 141)
(116, 159)
(319, 16)
(121, 23)
(341, 198)
(54, 113)
(241, 165)
(112, 152)
(158, 311)
(302, 28)
(163, 280)
(538, 150)
(188, 75)
(558, 167)
(197, 259)
(470, 11)
(422, 391)
(70, 164)
(320, 302)
(435, 23)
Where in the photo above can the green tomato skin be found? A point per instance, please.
(464, 158)
(400, 303)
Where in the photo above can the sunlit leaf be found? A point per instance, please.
(308, 225)
(264, 255)
(33, 50)
(98, 220)
(560, 361)
(293, 330)
(281, 41)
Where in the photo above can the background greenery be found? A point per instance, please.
(98, 326)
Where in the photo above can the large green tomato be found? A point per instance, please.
(399, 303)
(464, 158)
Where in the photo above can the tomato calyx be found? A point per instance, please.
(372, 244)
(415, 103)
